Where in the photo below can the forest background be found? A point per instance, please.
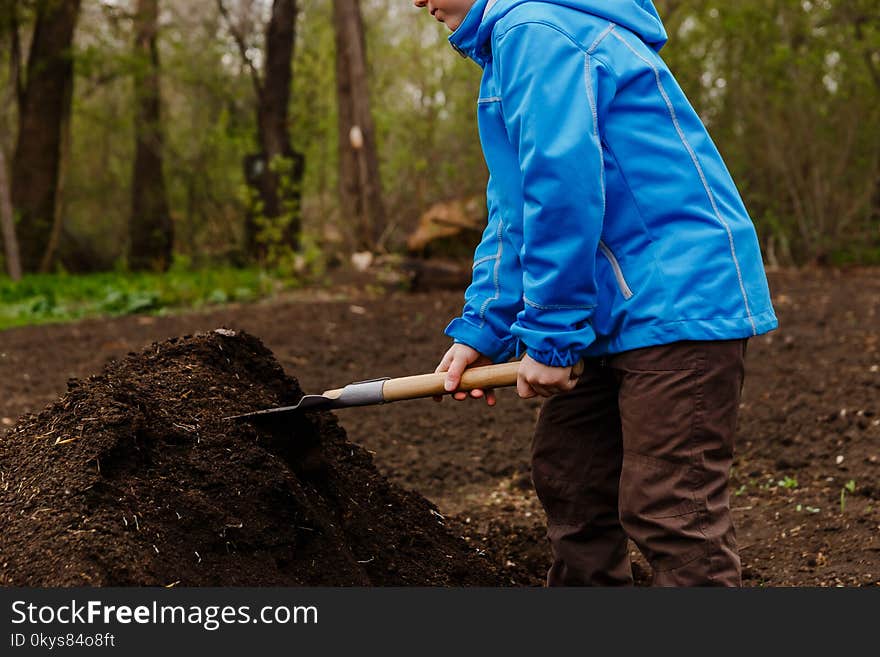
(158, 153)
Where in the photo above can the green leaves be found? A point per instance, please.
(787, 482)
(848, 487)
(42, 298)
(788, 90)
(796, 119)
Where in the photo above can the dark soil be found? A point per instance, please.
(810, 415)
(134, 477)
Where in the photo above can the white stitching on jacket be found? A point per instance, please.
(479, 262)
(599, 38)
(588, 81)
(540, 306)
(702, 175)
(495, 275)
(624, 287)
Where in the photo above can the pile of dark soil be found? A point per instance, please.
(134, 477)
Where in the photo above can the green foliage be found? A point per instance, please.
(42, 298)
(313, 113)
(276, 234)
(788, 88)
(856, 253)
(424, 97)
(787, 482)
(848, 487)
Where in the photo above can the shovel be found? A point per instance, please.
(385, 389)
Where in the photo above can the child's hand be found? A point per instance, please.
(535, 378)
(454, 362)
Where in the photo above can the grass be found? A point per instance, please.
(46, 298)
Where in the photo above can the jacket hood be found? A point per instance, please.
(638, 16)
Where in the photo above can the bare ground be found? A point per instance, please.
(805, 486)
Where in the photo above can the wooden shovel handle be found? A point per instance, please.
(487, 376)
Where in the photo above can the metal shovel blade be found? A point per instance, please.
(307, 403)
(361, 393)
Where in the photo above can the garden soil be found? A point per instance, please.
(134, 477)
(805, 494)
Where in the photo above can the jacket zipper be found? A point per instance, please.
(618, 272)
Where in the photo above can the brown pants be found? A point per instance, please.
(641, 448)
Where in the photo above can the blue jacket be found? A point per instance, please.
(613, 221)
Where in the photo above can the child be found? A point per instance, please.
(615, 235)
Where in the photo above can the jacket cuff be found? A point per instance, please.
(559, 348)
(481, 339)
(550, 357)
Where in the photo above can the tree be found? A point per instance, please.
(7, 221)
(277, 170)
(44, 113)
(9, 27)
(789, 93)
(360, 186)
(150, 228)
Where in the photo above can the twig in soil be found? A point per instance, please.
(366, 560)
(198, 556)
(45, 435)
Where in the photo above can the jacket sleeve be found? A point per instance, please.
(494, 297)
(548, 96)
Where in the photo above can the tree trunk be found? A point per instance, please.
(151, 231)
(279, 171)
(360, 187)
(63, 159)
(43, 109)
(7, 221)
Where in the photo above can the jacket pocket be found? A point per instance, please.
(618, 272)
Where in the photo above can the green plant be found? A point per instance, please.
(787, 482)
(848, 487)
(42, 298)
